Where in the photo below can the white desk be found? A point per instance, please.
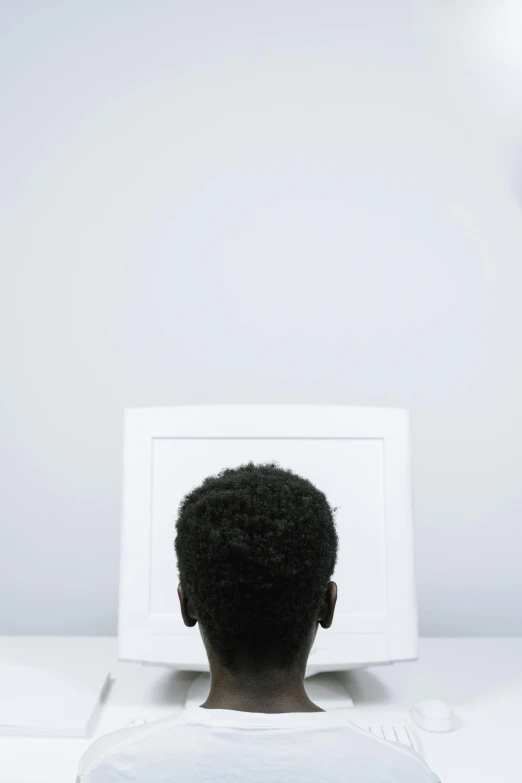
(480, 678)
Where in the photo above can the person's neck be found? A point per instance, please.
(271, 691)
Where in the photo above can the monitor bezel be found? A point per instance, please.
(136, 642)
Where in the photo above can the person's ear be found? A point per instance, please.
(328, 607)
(186, 611)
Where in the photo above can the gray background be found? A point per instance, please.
(274, 202)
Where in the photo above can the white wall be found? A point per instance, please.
(234, 202)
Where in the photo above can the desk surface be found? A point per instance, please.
(480, 678)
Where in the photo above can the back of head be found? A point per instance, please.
(256, 546)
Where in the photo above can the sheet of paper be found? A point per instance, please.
(40, 700)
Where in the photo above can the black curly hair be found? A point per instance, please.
(256, 546)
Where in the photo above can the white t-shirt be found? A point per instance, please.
(200, 745)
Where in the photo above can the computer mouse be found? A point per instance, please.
(433, 715)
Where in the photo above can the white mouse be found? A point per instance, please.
(432, 715)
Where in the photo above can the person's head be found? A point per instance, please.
(256, 546)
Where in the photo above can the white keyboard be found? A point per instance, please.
(393, 732)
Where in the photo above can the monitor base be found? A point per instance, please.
(325, 689)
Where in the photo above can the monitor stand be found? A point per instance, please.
(325, 689)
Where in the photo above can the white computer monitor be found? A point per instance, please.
(359, 457)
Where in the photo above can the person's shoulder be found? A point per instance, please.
(404, 762)
(103, 749)
(99, 749)
(411, 766)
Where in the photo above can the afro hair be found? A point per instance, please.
(256, 546)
